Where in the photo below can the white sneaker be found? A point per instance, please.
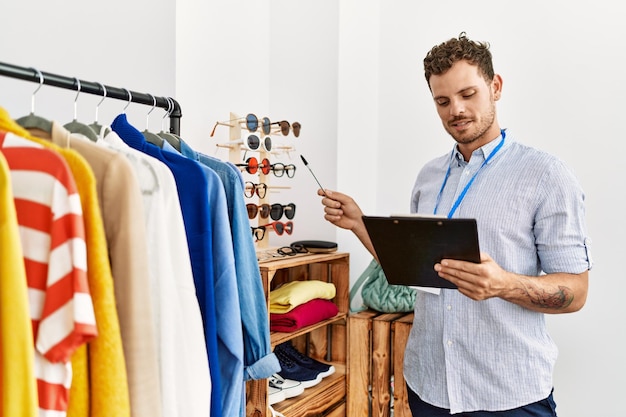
(275, 395)
(288, 387)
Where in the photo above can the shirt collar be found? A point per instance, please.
(484, 151)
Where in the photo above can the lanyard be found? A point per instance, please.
(470, 182)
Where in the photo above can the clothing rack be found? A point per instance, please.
(69, 83)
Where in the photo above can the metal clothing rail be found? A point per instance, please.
(69, 83)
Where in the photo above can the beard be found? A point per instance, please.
(478, 129)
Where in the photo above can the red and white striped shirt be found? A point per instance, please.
(53, 243)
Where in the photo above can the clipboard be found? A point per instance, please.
(408, 247)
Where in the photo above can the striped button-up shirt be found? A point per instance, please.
(467, 355)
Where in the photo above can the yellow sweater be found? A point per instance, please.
(18, 390)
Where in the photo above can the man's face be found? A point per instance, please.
(465, 102)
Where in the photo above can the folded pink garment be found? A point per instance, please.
(305, 314)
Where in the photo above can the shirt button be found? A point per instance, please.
(449, 342)
(449, 308)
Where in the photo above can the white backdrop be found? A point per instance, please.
(350, 72)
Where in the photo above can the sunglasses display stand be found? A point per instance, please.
(326, 340)
(235, 153)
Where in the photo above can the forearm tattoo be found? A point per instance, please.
(559, 299)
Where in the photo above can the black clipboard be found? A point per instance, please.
(408, 247)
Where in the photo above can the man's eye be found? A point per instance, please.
(469, 95)
(442, 102)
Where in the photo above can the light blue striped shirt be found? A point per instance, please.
(492, 355)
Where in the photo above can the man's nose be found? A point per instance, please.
(457, 108)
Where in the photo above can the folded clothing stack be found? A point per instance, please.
(306, 314)
(297, 304)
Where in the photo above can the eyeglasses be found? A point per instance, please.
(252, 166)
(258, 232)
(252, 124)
(279, 169)
(292, 250)
(251, 188)
(285, 127)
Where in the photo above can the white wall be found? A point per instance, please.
(351, 73)
(562, 93)
(125, 44)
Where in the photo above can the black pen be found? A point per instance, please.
(318, 183)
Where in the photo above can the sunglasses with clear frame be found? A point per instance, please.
(251, 188)
(251, 122)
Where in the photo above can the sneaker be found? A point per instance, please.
(305, 361)
(275, 394)
(286, 387)
(291, 370)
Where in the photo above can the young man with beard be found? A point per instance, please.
(484, 350)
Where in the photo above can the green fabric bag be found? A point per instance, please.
(378, 295)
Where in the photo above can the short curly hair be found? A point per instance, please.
(441, 57)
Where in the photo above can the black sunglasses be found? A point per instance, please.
(277, 210)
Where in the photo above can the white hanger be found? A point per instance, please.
(77, 127)
(32, 121)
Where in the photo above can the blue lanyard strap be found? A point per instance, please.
(470, 182)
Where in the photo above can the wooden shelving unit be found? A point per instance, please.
(325, 341)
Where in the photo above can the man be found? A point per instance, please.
(483, 350)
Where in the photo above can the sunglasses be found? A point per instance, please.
(251, 122)
(251, 188)
(263, 210)
(279, 227)
(284, 127)
(252, 165)
(253, 143)
(279, 169)
(275, 211)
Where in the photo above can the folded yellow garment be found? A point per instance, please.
(290, 295)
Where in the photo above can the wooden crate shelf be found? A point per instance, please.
(325, 341)
(376, 351)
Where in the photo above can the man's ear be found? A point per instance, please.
(496, 85)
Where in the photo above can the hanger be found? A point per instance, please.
(149, 136)
(171, 138)
(32, 121)
(77, 127)
(97, 127)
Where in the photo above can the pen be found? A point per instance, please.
(309, 168)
